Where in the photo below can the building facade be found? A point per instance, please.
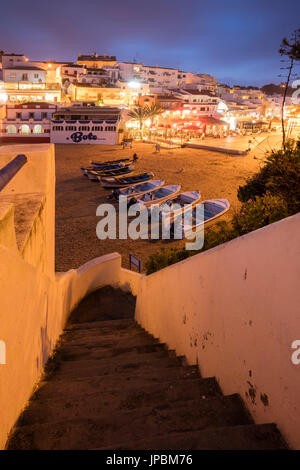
(86, 124)
(24, 123)
(25, 81)
(95, 60)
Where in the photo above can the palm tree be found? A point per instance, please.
(139, 114)
(154, 110)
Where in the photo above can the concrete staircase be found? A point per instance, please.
(110, 385)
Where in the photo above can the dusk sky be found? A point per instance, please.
(233, 40)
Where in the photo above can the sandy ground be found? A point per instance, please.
(214, 174)
(263, 140)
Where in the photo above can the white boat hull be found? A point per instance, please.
(136, 193)
(170, 192)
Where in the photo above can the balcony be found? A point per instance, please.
(24, 86)
(26, 120)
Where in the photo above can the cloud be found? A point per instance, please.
(231, 38)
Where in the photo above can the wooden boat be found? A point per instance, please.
(183, 201)
(95, 175)
(213, 208)
(111, 165)
(159, 195)
(102, 168)
(122, 182)
(139, 189)
(111, 162)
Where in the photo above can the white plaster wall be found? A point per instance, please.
(129, 281)
(103, 137)
(235, 310)
(34, 309)
(35, 181)
(34, 301)
(16, 75)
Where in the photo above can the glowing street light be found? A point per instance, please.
(134, 85)
(3, 97)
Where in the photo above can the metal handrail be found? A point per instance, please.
(11, 169)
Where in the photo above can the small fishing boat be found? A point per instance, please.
(122, 182)
(159, 195)
(111, 162)
(95, 175)
(111, 165)
(103, 168)
(140, 189)
(213, 208)
(182, 202)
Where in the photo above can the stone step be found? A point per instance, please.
(126, 426)
(111, 347)
(80, 403)
(69, 352)
(87, 336)
(127, 365)
(105, 303)
(117, 385)
(121, 324)
(241, 437)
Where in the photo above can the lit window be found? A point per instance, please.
(38, 129)
(11, 129)
(24, 129)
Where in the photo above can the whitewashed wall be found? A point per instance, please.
(235, 310)
(34, 301)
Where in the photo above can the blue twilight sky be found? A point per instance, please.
(237, 41)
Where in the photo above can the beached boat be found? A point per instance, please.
(159, 195)
(96, 175)
(213, 208)
(139, 189)
(122, 182)
(111, 165)
(85, 170)
(111, 162)
(182, 202)
(113, 171)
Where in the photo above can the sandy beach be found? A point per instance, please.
(216, 175)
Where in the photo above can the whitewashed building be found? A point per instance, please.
(202, 102)
(199, 81)
(71, 72)
(86, 124)
(24, 73)
(154, 76)
(25, 81)
(10, 60)
(26, 123)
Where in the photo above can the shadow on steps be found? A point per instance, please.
(111, 385)
(106, 303)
